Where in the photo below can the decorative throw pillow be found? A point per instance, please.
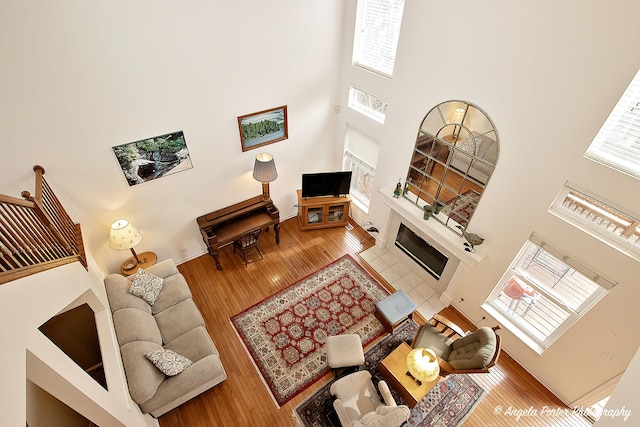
(168, 361)
(471, 145)
(146, 286)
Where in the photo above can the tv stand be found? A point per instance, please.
(322, 212)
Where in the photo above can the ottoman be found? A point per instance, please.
(394, 309)
(344, 351)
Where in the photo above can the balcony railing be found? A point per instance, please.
(36, 233)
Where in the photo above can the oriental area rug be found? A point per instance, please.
(285, 333)
(448, 404)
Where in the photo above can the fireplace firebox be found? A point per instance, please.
(425, 255)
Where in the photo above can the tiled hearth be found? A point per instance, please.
(400, 275)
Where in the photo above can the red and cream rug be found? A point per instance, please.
(285, 333)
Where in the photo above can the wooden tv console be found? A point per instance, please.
(322, 212)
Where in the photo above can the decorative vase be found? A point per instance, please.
(438, 205)
(428, 210)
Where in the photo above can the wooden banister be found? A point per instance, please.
(36, 233)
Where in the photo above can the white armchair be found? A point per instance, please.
(357, 403)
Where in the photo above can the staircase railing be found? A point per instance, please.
(36, 233)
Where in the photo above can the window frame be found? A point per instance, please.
(366, 109)
(592, 228)
(363, 152)
(364, 35)
(617, 143)
(517, 323)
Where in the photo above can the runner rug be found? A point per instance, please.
(285, 333)
(448, 404)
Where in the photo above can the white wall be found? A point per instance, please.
(548, 75)
(81, 77)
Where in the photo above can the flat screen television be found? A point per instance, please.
(326, 184)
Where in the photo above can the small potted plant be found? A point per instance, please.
(428, 210)
(438, 205)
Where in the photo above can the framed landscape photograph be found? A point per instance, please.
(152, 158)
(263, 128)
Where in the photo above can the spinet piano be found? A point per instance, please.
(222, 227)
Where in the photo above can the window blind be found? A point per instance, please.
(377, 32)
(617, 144)
(362, 149)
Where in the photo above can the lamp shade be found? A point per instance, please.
(422, 363)
(123, 235)
(456, 116)
(264, 169)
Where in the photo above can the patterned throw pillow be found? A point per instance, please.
(146, 286)
(168, 361)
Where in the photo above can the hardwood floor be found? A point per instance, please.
(243, 400)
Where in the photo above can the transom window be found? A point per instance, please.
(544, 292)
(376, 35)
(611, 224)
(617, 144)
(368, 104)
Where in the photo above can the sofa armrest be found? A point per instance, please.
(386, 394)
(343, 416)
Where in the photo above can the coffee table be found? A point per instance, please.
(393, 369)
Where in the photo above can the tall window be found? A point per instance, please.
(611, 224)
(544, 292)
(376, 34)
(617, 144)
(361, 157)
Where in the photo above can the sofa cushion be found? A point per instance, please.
(146, 286)
(430, 337)
(168, 361)
(143, 377)
(119, 297)
(132, 324)
(474, 350)
(178, 319)
(194, 344)
(175, 290)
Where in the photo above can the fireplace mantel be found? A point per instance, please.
(432, 228)
(434, 231)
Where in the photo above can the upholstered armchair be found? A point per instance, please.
(357, 403)
(459, 353)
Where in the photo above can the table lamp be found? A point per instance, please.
(123, 235)
(455, 119)
(264, 170)
(422, 365)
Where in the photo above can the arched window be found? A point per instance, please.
(455, 154)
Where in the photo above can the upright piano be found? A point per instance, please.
(222, 227)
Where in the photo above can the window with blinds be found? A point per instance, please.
(544, 292)
(360, 157)
(611, 224)
(617, 144)
(368, 104)
(376, 34)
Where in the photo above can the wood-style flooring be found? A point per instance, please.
(243, 399)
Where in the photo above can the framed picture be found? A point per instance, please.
(263, 128)
(152, 158)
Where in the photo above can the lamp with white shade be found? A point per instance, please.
(422, 364)
(122, 236)
(455, 118)
(264, 171)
